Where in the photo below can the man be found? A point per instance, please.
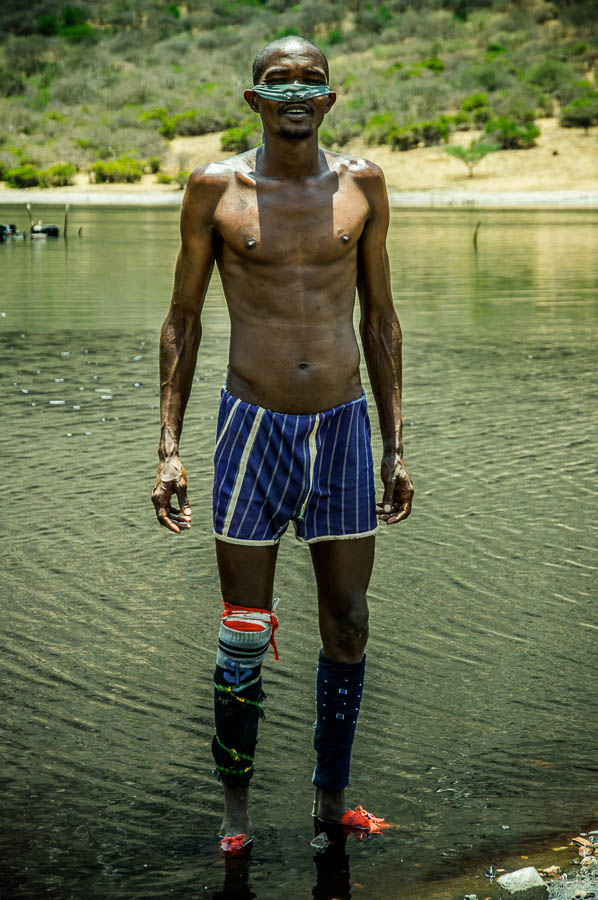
(294, 230)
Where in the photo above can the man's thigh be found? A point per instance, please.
(246, 573)
(343, 570)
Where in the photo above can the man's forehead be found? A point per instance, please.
(292, 57)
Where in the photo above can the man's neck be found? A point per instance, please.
(293, 159)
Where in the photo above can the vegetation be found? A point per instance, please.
(104, 85)
(473, 154)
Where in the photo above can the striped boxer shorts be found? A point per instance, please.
(273, 468)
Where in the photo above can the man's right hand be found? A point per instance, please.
(171, 479)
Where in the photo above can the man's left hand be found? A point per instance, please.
(398, 490)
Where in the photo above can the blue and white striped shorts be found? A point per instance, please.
(272, 468)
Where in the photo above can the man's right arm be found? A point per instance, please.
(179, 342)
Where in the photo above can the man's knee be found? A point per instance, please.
(344, 620)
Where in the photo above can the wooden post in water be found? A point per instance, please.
(475, 234)
(66, 218)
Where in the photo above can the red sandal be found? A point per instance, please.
(235, 844)
(360, 820)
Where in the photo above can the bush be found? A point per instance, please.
(239, 139)
(379, 128)
(582, 113)
(163, 178)
(476, 101)
(125, 169)
(58, 175)
(11, 83)
(23, 177)
(510, 135)
(432, 133)
(403, 139)
(153, 164)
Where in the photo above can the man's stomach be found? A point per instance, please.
(301, 373)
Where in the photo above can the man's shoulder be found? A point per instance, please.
(219, 174)
(360, 169)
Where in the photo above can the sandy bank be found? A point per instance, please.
(561, 172)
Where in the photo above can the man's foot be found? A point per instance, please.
(330, 806)
(236, 819)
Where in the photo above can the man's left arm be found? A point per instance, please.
(382, 347)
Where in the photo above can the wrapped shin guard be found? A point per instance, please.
(242, 647)
(338, 697)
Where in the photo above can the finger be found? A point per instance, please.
(178, 514)
(181, 492)
(402, 514)
(166, 522)
(389, 489)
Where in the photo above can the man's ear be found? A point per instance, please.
(331, 97)
(251, 99)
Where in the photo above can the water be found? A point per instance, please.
(478, 731)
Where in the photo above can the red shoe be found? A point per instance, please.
(360, 820)
(235, 844)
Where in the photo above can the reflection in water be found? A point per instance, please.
(476, 734)
(236, 880)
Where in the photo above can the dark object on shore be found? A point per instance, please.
(9, 232)
(48, 230)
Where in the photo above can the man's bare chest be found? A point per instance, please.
(291, 224)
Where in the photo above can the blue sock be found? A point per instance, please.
(338, 697)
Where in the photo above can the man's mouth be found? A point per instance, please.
(295, 110)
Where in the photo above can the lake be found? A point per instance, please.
(478, 729)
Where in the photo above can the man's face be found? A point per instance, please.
(295, 119)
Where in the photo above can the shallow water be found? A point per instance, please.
(478, 730)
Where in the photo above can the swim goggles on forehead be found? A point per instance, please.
(283, 92)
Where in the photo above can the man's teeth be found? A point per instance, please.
(296, 109)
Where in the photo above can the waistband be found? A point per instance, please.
(226, 395)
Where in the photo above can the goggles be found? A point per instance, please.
(285, 92)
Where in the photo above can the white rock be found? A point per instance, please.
(524, 884)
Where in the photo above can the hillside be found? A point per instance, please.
(113, 87)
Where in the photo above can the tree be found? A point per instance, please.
(582, 113)
(473, 154)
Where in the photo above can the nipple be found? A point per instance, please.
(345, 238)
(250, 243)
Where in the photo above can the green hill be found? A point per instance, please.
(112, 81)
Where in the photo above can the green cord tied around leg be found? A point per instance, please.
(228, 689)
(236, 756)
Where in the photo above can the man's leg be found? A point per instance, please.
(342, 569)
(246, 579)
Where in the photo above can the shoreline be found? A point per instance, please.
(411, 199)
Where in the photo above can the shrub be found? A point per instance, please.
(473, 154)
(11, 83)
(476, 101)
(432, 133)
(403, 139)
(511, 135)
(238, 139)
(23, 177)
(181, 179)
(58, 175)
(582, 113)
(153, 164)
(551, 75)
(379, 128)
(123, 169)
(163, 178)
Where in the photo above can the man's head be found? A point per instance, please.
(292, 44)
(291, 60)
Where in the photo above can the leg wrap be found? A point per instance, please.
(338, 698)
(242, 646)
(237, 711)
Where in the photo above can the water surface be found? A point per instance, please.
(477, 734)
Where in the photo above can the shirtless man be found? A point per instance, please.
(294, 230)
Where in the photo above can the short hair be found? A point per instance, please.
(260, 57)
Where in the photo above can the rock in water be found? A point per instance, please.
(524, 884)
